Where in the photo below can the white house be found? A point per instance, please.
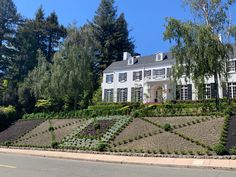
(147, 79)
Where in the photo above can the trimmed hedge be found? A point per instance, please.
(7, 115)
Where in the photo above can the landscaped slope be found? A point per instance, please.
(18, 129)
(42, 136)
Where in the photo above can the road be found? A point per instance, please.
(12, 165)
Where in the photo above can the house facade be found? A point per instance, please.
(148, 79)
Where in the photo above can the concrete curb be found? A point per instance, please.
(222, 164)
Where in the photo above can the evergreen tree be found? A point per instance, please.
(55, 32)
(110, 35)
(9, 18)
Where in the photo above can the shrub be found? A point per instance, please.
(220, 149)
(167, 127)
(51, 129)
(54, 144)
(101, 146)
(233, 150)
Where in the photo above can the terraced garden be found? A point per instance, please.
(164, 135)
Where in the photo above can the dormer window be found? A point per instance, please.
(131, 61)
(159, 56)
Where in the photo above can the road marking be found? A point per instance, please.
(7, 166)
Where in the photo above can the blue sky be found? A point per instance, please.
(146, 18)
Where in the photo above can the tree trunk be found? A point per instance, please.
(216, 91)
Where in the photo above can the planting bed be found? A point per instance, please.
(232, 133)
(80, 139)
(136, 128)
(168, 142)
(175, 120)
(41, 136)
(92, 132)
(18, 129)
(206, 132)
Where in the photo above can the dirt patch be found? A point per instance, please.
(173, 120)
(206, 132)
(134, 129)
(18, 129)
(165, 141)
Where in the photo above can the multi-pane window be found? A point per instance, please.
(232, 89)
(147, 74)
(158, 73)
(137, 76)
(184, 92)
(136, 94)
(122, 77)
(232, 66)
(109, 78)
(108, 95)
(122, 94)
(210, 91)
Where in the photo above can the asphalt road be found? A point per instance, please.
(28, 166)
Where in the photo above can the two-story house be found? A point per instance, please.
(147, 79)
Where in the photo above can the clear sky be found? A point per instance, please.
(146, 18)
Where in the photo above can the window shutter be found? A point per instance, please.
(141, 94)
(118, 95)
(189, 91)
(234, 65)
(213, 90)
(105, 95)
(178, 87)
(140, 75)
(132, 94)
(112, 95)
(134, 74)
(126, 94)
(112, 78)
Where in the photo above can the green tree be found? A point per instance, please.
(199, 52)
(111, 36)
(55, 32)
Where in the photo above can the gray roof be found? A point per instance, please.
(146, 61)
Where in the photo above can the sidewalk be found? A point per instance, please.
(169, 162)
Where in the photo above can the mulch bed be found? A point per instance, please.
(18, 129)
(90, 130)
(231, 133)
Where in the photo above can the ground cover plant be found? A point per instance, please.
(18, 129)
(49, 132)
(137, 129)
(79, 139)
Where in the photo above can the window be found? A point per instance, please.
(108, 95)
(232, 66)
(122, 77)
(232, 90)
(147, 74)
(137, 76)
(184, 92)
(122, 94)
(168, 75)
(137, 94)
(210, 91)
(109, 78)
(158, 73)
